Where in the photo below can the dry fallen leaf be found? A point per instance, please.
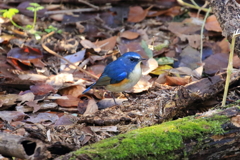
(174, 11)
(177, 81)
(190, 58)
(74, 58)
(129, 35)
(236, 61)
(137, 14)
(215, 63)
(143, 84)
(75, 91)
(8, 100)
(42, 118)
(193, 40)
(41, 89)
(88, 45)
(161, 69)
(70, 102)
(59, 80)
(10, 116)
(212, 24)
(149, 66)
(224, 45)
(107, 44)
(20, 58)
(34, 105)
(91, 107)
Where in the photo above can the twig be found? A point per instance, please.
(77, 10)
(190, 5)
(230, 66)
(89, 4)
(202, 28)
(201, 8)
(193, 2)
(57, 55)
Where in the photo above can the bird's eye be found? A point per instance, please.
(131, 59)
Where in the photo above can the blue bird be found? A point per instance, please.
(121, 74)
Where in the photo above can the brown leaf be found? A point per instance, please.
(70, 102)
(132, 47)
(107, 44)
(129, 35)
(57, 17)
(88, 45)
(22, 7)
(34, 105)
(41, 89)
(12, 116)
(8, 100)
(42, 117)
(174, 11)
(190, 58)
(20, 58)
(82, 106)
(74, 91)
(193, 40)
(143, 84)
(212, 24)
(224, 45)
(149, 66)
(183, 28)
(236, 61)
(215, 63)
(177, 81)
(91, 107)
(66, 119)
(137, 14)
(97, 69)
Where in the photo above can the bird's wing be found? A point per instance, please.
(111, 78)
(118, 78)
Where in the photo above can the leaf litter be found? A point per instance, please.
(42, 93)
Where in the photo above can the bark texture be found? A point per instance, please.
(21, 147)
(211, 135)
(227, 13)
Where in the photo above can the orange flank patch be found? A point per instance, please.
(123, 82)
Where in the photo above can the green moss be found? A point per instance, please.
(155, 141)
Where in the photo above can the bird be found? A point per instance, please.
(121, 74)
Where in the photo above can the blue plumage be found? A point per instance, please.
(121, 74)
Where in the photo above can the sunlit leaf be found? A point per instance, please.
(161, 69)
(165, 60)
(10, 13)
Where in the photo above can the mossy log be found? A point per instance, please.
(211, 135)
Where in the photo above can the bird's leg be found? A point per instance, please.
(125, 94)
(114, 98)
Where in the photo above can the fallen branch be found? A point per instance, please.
(21, 147)
(152, 108)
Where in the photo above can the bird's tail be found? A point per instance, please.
(88, 88)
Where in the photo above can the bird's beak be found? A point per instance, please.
(142, 59)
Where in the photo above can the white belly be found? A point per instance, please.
(133, 79)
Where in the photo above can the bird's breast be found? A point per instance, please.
(127, 83)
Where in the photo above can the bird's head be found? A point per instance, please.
(131, 58)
